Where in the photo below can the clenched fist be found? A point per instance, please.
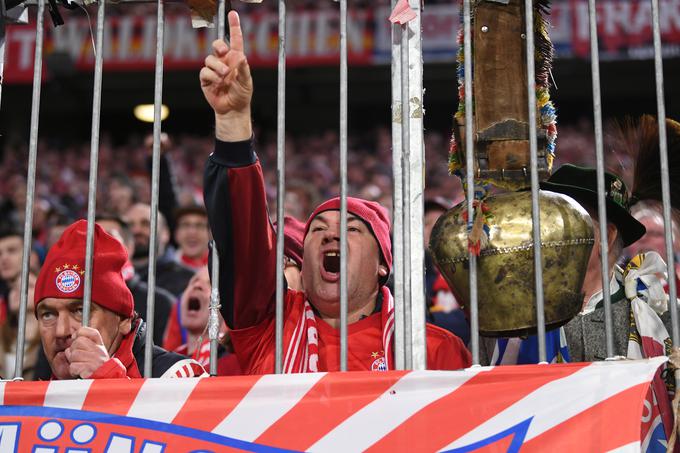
(87, 353)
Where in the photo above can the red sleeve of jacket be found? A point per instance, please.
(236, 202)
(445, 351)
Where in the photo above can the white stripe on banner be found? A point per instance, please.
(633, 447)
(407, 396)
(561, 399)
(161, 399)
(269, 399)
(67, 394)
(2, 393)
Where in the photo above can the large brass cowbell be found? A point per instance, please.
(501, 144)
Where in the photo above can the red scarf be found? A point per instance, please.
(302, 353)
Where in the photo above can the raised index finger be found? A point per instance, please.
(235, 33)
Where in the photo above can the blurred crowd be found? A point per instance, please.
(124, 195)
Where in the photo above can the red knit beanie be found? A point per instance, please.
(63, 274)
(370, 212)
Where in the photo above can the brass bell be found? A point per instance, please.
(505, 266)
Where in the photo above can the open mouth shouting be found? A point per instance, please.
(194, 304)
(330, 268)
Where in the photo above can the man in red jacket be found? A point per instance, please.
(236, 203)
(113, 345)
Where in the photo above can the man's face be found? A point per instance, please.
(10, 257)
(192, 235)
(14, 298)
(114, 229)
(138, 218)
(195, 302)
(59, 319)
(321, 264)
(120, 196)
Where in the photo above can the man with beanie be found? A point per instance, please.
(113, 344)
(237, 211)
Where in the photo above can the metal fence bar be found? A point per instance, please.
(416, 152)
(397, 201)
(155, 187)
(406, 184)
(665, 184)
(221, 21)
(601, 191)
(343, 185)
(30, 189)
(281, 182)
(535, 210)
(3, 35)
(470, 181)
(94, 161)
(214, 318)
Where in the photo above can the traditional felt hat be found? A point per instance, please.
(580, 183)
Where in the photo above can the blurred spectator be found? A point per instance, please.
(9, 332)
(194, 308)
(139, 289)
(192, 236)
(170, 274)
(11, 250)
(121, 194)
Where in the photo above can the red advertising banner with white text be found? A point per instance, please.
(312, 37)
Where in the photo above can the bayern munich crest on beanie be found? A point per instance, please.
(68, 281)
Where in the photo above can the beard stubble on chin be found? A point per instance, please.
(141, 252)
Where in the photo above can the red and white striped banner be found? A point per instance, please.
(566, 407)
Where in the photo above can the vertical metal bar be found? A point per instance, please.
(416, 152)
(221, 19)
(397, 201)
(535, 210)
(343, 185)
(599, 157)
(665, 184)
(94, 160)
(30, 188)
(470, 181)
(281, 182)
(3, 35)
(155, 187)
(214, 319)
(406, 192)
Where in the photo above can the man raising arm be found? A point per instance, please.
(236, 203)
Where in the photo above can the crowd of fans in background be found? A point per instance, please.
(123, 199)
